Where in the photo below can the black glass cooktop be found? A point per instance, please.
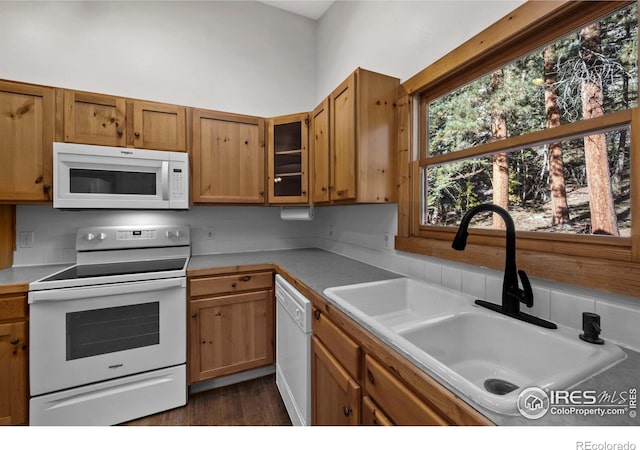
(119, 268)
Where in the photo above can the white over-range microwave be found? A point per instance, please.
(91, 176)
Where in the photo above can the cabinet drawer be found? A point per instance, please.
(372, 414)
(343, 348)
(13, 307)
(401, 405)
(230, 283)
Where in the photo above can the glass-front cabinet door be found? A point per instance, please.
(288, 145)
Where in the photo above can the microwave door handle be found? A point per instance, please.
(165, 180)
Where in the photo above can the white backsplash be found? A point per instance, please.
(236, 229)
(354, 231)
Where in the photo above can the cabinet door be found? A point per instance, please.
(320, 181)
(13, 373)
(343, 140)
(94, 119)
(27, 118)
(230, 334)
(227, 158)
(158, 126)
(335, 396)
(287, 150)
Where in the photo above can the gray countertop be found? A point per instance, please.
(319, 269)
(27, 274)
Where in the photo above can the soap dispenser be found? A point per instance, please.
(591, 328)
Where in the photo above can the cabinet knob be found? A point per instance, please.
(245, 278)
(346, 411)
(323, 189)
(15, 341)
(136, 134)
(39, 180)
(304, 192)
(120, 132)
(370, 377)
(261, 193)
(194, 315)
(339, 192)
(234, 284)
(316, 314)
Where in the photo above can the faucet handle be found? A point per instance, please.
(528, 292)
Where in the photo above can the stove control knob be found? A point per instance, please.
(102, 236)
(90, 236)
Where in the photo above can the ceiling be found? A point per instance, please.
(313, 9)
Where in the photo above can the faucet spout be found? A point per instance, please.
(512, 295)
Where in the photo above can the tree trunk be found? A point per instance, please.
(500, 160)
(560, 210)
(603, 215)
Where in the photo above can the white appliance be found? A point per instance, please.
(91, 176)
(293, 351)
(108, 335)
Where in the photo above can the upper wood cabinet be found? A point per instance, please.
(106, 120)
(319, 138)
(159, 126)
(27, 128)
(288, 152)
(362, 141)
(227, 158)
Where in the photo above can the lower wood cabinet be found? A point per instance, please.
(372, 414)
(14, 393)
(230, 332)
(335, 396)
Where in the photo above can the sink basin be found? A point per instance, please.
(398, 303)
(482, 355)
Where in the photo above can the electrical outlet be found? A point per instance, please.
(26, 239)
(211, 233)
(388, 241)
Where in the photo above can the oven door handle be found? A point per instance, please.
(88, 292)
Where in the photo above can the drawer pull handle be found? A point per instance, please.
(346, 411)
(316, 314)
(245, 278)
(370, 377)
(15, 341)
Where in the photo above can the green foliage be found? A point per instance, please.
(462, 119)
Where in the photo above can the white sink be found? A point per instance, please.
(470, 348)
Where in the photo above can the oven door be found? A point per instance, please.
(88, 334)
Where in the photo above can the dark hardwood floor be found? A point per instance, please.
(253, 402)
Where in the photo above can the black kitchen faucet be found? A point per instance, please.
(512, 295)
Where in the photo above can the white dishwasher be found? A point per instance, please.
(293, 351)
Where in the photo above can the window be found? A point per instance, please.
(543, 122)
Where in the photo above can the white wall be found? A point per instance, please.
(243, 57)
(398, 38)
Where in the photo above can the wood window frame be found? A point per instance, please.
(605, 263)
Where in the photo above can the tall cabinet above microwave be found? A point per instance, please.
(90, 176)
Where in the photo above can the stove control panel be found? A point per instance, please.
(123, 237)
